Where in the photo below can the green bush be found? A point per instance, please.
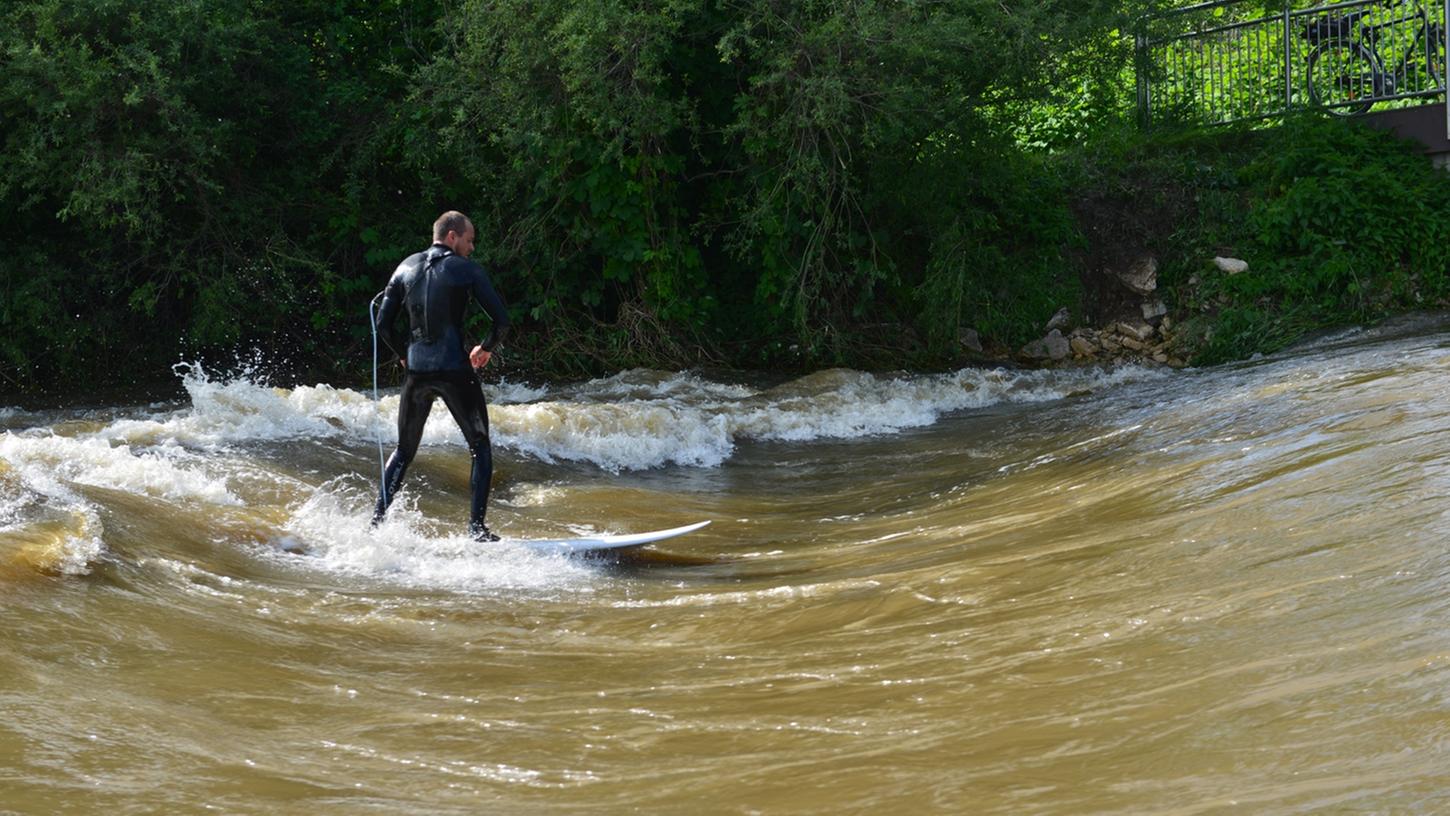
(1340, 224)
(1345, 225)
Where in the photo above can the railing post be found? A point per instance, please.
(1289, 60)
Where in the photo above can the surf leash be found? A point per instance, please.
(377, 402)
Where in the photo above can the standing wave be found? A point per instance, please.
(636, 420)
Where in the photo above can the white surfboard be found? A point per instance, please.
(569, 546)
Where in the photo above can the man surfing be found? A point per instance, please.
(434, 287)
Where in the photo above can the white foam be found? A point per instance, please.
(647, 384)
(674, 425)
(239, 410)
(24, 504)
(15, 418)
(231, 411)
(83, 546)
(617, 436)
(46, 462)
(511, 393)
(634, 420)
(332, 529)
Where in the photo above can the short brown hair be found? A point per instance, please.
(451, 221)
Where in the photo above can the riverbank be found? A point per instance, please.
(1200, 247)
(1174, 248)
(711, 207)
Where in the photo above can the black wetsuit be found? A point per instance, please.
(434, 286)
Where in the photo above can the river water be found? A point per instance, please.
(1132, 591)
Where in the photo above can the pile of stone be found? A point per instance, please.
(1143, 333)
(1135, 340)
(1124, 340)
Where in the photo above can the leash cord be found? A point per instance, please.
(373, 322)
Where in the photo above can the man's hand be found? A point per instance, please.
(479, 358)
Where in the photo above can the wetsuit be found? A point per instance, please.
(434, 287)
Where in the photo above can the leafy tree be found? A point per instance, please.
(660, 183)
(166, 167)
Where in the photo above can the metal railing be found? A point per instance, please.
(1231, 60)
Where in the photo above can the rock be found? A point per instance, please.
(1138, 330)
(970, 340)
(1231, 266)
(1154, 310)
(1110, 345)
(1166, 326)
(1083, 347)
(1052, 347)
(1130, 343)
(1059, 320)
(1141, 277)
(1160, 357)
(1057, 345)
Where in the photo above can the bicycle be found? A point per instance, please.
(1346, 74)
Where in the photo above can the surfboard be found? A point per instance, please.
(604, 543)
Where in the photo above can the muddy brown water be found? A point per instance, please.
(1131, 591)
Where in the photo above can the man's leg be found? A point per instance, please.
(464, 399)
(413, 407)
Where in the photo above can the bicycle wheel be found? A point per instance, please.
(1435, 53)
(1343, 77)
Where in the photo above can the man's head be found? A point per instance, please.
(455, 231)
